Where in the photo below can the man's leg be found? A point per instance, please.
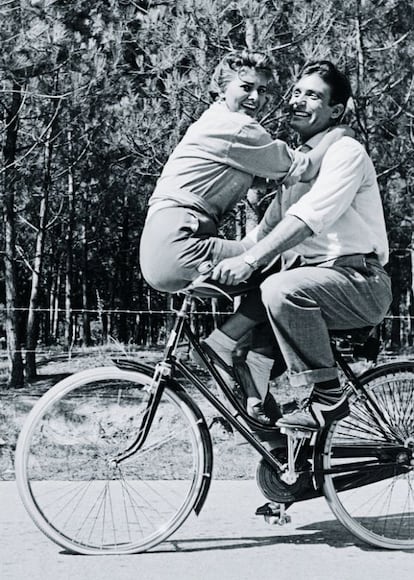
(303, 304)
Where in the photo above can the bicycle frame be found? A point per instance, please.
(360, 390)
(170, 365)
(166, 370)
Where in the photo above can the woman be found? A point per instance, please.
(211, 170)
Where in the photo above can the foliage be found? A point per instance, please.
(120, 81)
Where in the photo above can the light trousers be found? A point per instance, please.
(304, 303)
(175, 241)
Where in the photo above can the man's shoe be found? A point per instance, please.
(317, 416)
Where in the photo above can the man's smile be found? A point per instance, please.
(302, 114)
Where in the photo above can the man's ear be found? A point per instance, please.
(266, 102)
(337, 111)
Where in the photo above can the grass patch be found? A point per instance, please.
(233, 457)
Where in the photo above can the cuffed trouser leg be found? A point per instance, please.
(303, 304)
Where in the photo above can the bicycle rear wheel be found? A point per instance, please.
(372, 493)
(70, 485)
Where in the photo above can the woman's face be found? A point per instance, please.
(246, 92)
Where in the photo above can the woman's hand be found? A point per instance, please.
(342, 131)
(232, 271)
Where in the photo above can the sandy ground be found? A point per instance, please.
(226, 542)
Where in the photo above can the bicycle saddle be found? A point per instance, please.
(355, 335)
(213, 289)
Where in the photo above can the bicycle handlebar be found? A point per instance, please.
(205, 269)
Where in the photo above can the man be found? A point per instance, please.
(336, 225)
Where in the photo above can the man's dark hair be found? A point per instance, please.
(336, 80)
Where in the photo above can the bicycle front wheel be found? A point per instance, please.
(74, 490)
(368, 461)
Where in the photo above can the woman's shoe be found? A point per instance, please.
(256, 411)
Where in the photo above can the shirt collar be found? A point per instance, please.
(316, 139)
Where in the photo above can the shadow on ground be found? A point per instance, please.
(327, 533)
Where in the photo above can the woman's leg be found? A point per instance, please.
(174, 242)
(240, 344)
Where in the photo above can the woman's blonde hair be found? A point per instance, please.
(233, 64)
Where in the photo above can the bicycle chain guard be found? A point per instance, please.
(275, 489)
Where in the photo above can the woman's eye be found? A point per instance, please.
(262, 91)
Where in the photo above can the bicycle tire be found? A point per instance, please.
(375, 501)
(69, 483)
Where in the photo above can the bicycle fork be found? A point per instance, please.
(155, 388)
(163, 371)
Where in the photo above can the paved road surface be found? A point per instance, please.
(227, 542)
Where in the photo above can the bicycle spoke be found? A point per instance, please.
(374, 498)
(68, 474)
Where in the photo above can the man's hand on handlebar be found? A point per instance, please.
(232, 271)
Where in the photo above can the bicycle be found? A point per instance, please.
(114, 459)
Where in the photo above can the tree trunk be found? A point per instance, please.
(33, 319)
(124, 272)
(86, 322)
(15, 360)
(69, 253)
(54, 302)
(361, 110)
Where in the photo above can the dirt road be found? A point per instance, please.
(226, 542)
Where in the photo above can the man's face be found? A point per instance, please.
(310, 108)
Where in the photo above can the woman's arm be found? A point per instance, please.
(317, 153)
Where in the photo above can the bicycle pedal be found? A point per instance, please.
(297, 433)
(278, 520)
(274, 513)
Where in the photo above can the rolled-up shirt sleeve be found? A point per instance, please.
(252, 150)
(340, 176)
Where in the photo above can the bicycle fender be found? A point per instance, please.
(127, 364)
(207, 446)
(318, 449)
(379, 370)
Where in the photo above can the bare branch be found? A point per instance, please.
(389, 46)
(24, 259)
(40, 140)
(25, 221)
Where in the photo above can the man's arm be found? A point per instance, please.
(332, 193)
(287, 234)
